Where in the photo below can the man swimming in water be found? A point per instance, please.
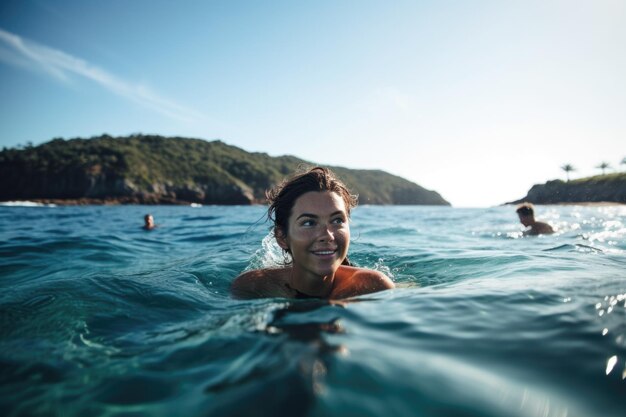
(311, 214)
(149, 222)
(526, 213)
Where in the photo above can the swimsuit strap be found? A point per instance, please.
(300, 294)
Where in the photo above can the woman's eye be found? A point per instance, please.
(338, 220)
(307, 223)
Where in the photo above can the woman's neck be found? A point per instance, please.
(310, 285)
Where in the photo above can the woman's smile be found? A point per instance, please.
(324, 252)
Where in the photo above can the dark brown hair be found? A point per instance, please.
(525, 209)
(283, 197)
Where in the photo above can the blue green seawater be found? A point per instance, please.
(99, 317)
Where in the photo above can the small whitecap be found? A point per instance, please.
(610, 364)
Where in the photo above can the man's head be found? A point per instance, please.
(526, 213)
(149, 221)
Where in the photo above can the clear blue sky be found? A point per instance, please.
(478, 100)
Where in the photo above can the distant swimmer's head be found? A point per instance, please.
(526, 213)
(148, 222)
(300, 202)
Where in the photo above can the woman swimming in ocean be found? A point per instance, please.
(310, 213)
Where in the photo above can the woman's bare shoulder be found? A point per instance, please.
(354, 281)
(376, 279)
(260, 283)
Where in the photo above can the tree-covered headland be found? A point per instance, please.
(150, 169)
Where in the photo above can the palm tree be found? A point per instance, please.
(603, 166)
(569, 168)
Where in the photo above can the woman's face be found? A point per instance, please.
(318, 234)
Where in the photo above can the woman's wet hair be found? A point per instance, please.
(283, 197)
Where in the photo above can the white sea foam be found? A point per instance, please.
(269, 256)
(25, 204)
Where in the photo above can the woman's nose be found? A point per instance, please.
(326, 234)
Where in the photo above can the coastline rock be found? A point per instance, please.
(600, 188)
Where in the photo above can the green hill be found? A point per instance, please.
(599, 188)
(151, 169)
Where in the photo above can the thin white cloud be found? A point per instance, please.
(22, 53)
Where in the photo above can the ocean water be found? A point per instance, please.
(99, 317)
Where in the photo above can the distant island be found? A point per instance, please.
(597, 189)
(150, 169)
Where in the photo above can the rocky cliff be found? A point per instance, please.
(165, 170)
(600, 188)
